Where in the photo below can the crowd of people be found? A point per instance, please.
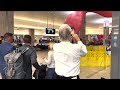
(63, 60)
(95, 42)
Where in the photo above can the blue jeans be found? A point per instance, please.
(3, 76)
(50, 74)
(2, 71)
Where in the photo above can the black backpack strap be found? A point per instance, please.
(26, 49)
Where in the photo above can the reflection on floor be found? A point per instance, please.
(86, 72)
(95, 72)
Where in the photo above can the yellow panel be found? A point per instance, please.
(91, 61)
(108, 60)
(96, 57)
(101, 61)
(83, 61)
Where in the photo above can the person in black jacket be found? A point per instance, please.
(40, 73)
(30, 57)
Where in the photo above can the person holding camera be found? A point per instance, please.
(67, 55)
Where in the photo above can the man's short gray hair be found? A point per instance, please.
(65, 32)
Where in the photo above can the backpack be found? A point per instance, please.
(41, 73)
(14, 64)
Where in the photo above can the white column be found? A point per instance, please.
(83, 31)
(31, 33)
(106, 31)
(6, 22)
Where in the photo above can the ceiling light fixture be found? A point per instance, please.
(28, 27)
(87, 14)
(69, 12)
(33, 20)
(90, 14)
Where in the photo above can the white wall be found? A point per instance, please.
(21, 32)
(95, 31)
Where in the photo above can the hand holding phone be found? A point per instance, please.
(75, 36)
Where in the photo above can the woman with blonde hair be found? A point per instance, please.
(50, 74)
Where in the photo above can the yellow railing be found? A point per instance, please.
(96, 57)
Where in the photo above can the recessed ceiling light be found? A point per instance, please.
(87, 14)
(69, 12)
(90, 14)
(27, 26)
(33, 20)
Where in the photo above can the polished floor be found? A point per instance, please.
(86, 72)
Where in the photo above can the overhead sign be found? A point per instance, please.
(50, 31)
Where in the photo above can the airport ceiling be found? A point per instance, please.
(38, 19)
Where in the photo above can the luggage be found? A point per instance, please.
(14, 64)
(41, 73)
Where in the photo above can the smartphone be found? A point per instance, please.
(72, 30)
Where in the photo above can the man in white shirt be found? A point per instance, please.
(67, 55)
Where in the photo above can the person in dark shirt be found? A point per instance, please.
(30, 57)
(5, 48)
